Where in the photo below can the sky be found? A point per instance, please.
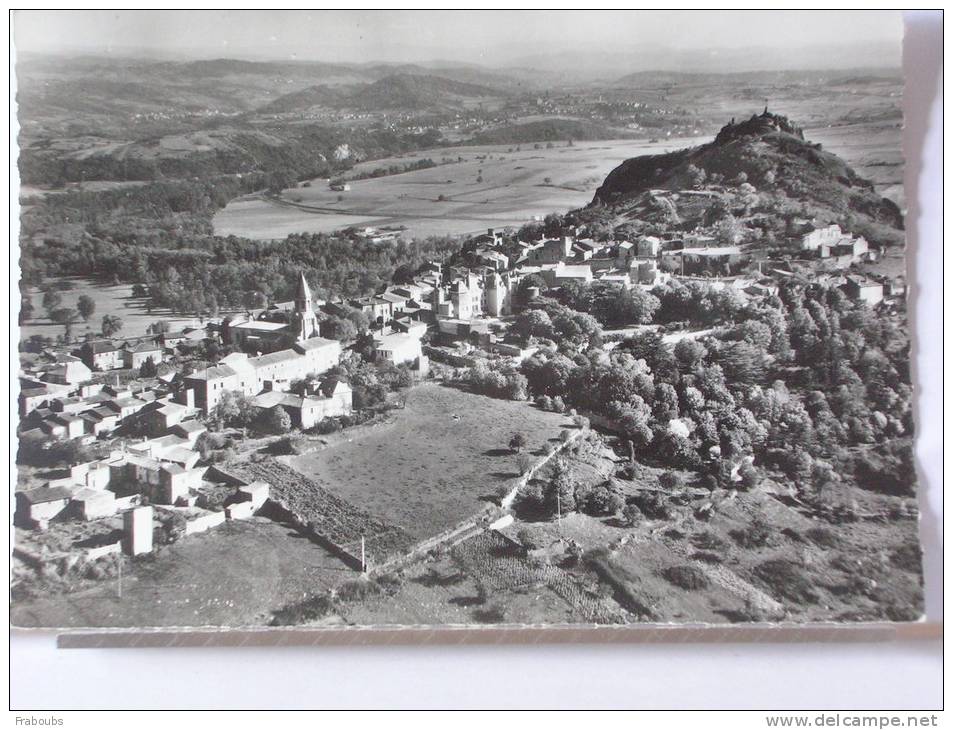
(490, 38)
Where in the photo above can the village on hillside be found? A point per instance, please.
(623, 387)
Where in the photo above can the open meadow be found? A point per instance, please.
(485, 186)
(114, 299)
(436, 462)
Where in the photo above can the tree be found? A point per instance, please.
(576, 295)
(517, 442)
(533, 323)
(633, 419)
(748, 197)
(678, 451)
(148, 369)
(696, 176)
(85, 305)
(111, 325)
(338, 328)
(279, 180)
(742, 363)
(603, 499)
(233, 409)
(517, 387)
(631, 514)
(553, 224)
(38, 450)
(278, 420)
(403, 274)
(729, 230)
(51, 300)
(666, 406)
(560, 491)
(689, 352)
(618, 306)
(527, 539)
(65, 316)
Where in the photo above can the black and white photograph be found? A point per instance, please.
(354, 319)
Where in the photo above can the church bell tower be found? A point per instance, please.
(306, 316)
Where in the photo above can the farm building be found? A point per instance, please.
(135, 356)
(397, 348)
(102, 355)
(864, 289)
(331, 400)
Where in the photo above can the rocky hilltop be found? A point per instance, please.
(769, 152)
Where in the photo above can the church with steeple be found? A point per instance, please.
(280, 325)
(305, 318)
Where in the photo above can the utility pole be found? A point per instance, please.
(559, 511)
(363, 561)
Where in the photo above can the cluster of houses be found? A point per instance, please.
(284, 351)
(156, 421)
(835, 247)
(161, 468)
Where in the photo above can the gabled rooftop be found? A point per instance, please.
(101, 346)
(45, 494)
(216, 372)
(274, 358)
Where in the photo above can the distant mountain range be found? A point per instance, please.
(106, 90)
(608, 65)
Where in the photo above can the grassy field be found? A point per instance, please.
(435, 463)
(492, 186)
(110, 299)
(236, 574)
(873, 149)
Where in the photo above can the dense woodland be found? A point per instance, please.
(815, 386)
(159, 235)
(295, 151)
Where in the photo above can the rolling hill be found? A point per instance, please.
(775, 158)
(409, 91)
(416, 92)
